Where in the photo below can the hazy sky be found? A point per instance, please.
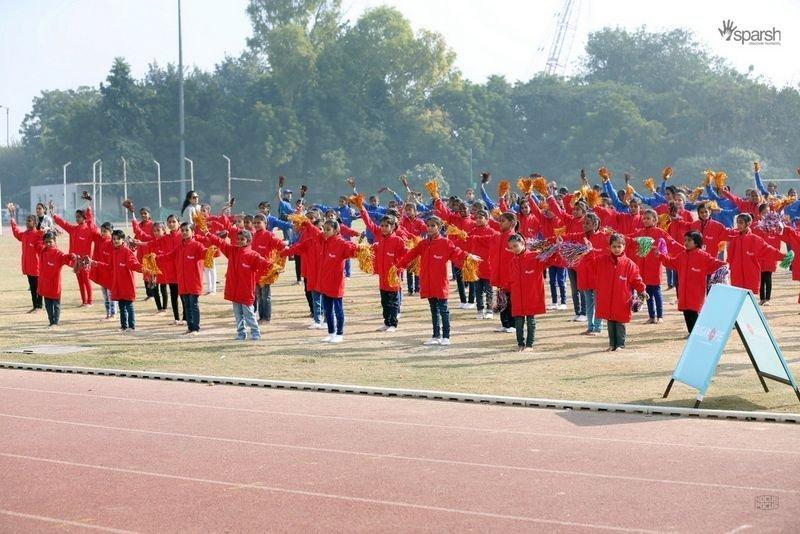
(61, 44)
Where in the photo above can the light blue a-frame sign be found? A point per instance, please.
(727, 308)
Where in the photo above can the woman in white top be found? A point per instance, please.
(191, 206)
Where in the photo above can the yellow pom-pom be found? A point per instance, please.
(540, 184)
(722, 246)
(497, 212)
(664, 221)
(356, 200)
(366, 258)
(298, 219)
(525, 185)
(696, 194)
(720, 179)
(560, 231)
(277, 265)
(503, 188)
(592, 198)
(712, 205)
(200, 222)
(604, 173)
(469, 270)
(211, 252)
(650, 184)
(433, 188)
(628, 193)
(456, 231)
(150, 265)
(393, 277)
(666, 173)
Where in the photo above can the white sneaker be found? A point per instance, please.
(328, 338)
(552, 306)
(444, 341)
(562, 306)
(313, 326)
(581, 319)
(432, 341)
(575, 319)
(399, 315)
(320, 326)
(480, 315)
(382, 329)
(500, 329)
(489, 315)
(391, 329)
(337, 339)
(510, 330)
(463, 306)
(470, 306)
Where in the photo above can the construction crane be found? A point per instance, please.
(563, 37)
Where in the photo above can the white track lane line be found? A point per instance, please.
(420, 425)
(405, 458)
(57, 521)
(364, 500)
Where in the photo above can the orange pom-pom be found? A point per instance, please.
(456, 231)
(540, 184)
(433, 188)
(664, 221)
(720, 179)
(525, 185)
(628, 193)
(298, 219)
(604, 173)
(696, 194)
(666, 173)
(211, 253)
(356, 200)
(366, 258)
(650, 184)
(722, 246)
(503, 188)
(560, 231)
(150, 265)
(200, 222)
(592, 198)
(469, 270)
(393, 277)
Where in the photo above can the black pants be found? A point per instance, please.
(765, 293)
(506, 320)
(616, 334)
(159, 294)
(192, 306)
(33, 285)
(173, 298)
(439, 311)
(151, 290)
(690, 316)
(308, 297)
(391, 305)
(578, 302)
(413, 282)
(483, 294)
(53, 307)
(462, 295)
(519, 324)
(127, 317)
(297, 267)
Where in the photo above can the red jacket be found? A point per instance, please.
(333, 251)
(548, 227)
(792, 237)
(434, 255)
(572, 223)
(388, 250)
(617, 276)
(463, 223)
(308, 248)
(348, 232)
(769, 264)
(744, 206)
(586, 268)
(245, 267)
(482, 249)
(51, 260)
(527, 285)
(499, 256)
(189, 259)
(264, 242)
(650, 265)
(527, 225)
(162, 246)
(713, 233)
(415, 226)
(80, 235)
(103, 247)
(30, 240)
(745, 252)
(120, 268)
(693, 267)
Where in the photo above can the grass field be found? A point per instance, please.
(563, 365)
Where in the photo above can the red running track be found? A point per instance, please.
(80, 453)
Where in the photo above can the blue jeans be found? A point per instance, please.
(578, 298)
(347, 268)
(672, 278)
(316, 305)
(557, 276)
(483, 294)
(593, 323)
(192, 307)
(111, 307)
(127, 317)
(655, 307)
(412, 281)
(439, 311)
(264, 300)
(245, 317)
(334, 308)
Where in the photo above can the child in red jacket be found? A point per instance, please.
(616, 277)
(434, 252)
(482, 248)
(30, 238)
(413, 226)
(80, 244)
(189, 260)
(51, 260)
(306, 252)
(693, 265)
(102, 250)
(527, 290)
(746, 250)
(388, 247)
(265, 243)
(121, 267)
(772, 236)
(245, 267)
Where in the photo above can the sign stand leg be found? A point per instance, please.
(752, 360)
(669, 387)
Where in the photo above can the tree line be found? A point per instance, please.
(317, 99)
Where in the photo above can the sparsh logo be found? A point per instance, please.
(730, 31)
(727, 29)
